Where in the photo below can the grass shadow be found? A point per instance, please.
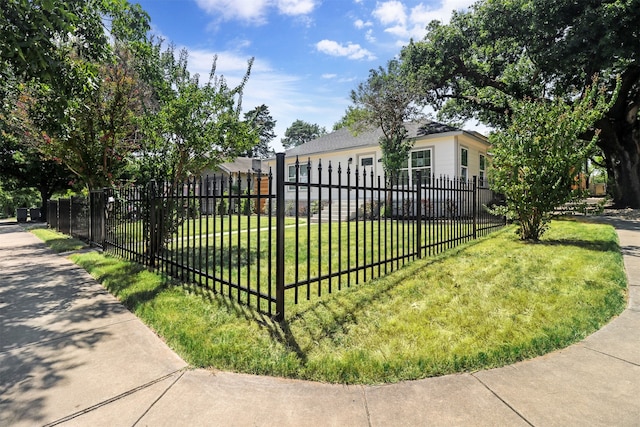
(344, 310)
(591, 245)
(126, 276)
(279, 331)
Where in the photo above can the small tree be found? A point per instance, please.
(21, 165)
(385, 101)
(100, 132)
(196, 126)
(537, 159)
(352, 117)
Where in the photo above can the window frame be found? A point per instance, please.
(291, 175)
(464, 163)
(366, 157)
(408, 171)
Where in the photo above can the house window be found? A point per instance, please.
(303, 173)
(418, 161)
(366, 161)
(481, 175)
(464, 163)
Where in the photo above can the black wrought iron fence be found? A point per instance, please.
(97, 217)
(52, 214)
(79, 217)
(64, 216)
(268, 240)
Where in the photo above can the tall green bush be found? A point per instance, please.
(538, 158)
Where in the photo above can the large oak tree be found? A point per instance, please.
(538, 50)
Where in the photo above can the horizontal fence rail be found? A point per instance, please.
(263, 239)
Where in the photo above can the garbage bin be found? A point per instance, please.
(34, 214)
(22, 214)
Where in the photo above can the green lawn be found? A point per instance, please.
(487, 303)
(204, 225)
(311, 250)
(56, 241)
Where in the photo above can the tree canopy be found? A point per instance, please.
(300, 132)
(261, 121)
(22, 165)
(105, 101)
(65, 80)
(99, 131)
(499, 51)
(42, 40)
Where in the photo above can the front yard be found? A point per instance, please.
(487, 303)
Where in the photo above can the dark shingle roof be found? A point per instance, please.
(343, 139)
(432, 128)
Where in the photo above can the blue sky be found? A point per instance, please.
(309, 54)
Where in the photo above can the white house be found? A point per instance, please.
(438, 150)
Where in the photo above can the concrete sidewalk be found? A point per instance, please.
(70, 354)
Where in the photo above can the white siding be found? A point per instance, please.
(475, 149)
(445, 160)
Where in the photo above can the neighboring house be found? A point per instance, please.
(240, 169)
(438, 150)
(238, 175)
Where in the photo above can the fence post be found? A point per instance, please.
(153, 223)
(419, 211)
(280, 237)
(91, 221)
(475, 207)
(104, 204)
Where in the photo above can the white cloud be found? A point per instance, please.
(400, 31)
(255, 11)
(232, 65)
(350, 50)
(296, 7)
(369, 36)
(391, 12)
(404, 25)
(287, 96)
(360, 24)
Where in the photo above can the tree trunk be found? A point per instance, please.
(620, 140)
(46, 192)
(620, 143)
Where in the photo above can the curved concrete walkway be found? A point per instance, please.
(70, 354)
